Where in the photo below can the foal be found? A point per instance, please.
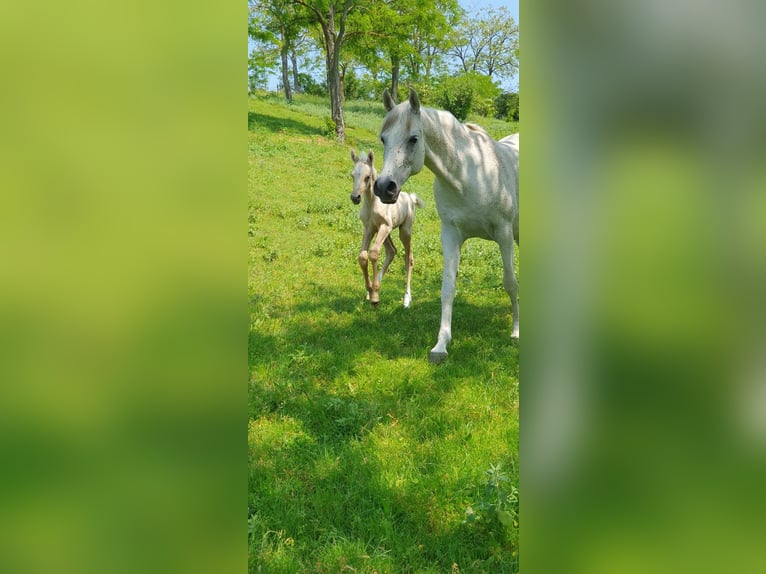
(382, 219)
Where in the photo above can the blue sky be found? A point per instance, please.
(473, 5)
(470, 6)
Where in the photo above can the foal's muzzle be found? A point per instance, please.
(356, 199)
(387, 190)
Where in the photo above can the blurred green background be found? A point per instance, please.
(643, 395)
(123, 320)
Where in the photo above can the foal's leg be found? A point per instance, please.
(390, 252)
(405, 234)
(509, 277)
(364, 259)
(452, 241)
(383, 233)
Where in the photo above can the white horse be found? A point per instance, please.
(476, 189)
(382, 219)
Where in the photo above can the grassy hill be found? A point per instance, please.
(363, 457)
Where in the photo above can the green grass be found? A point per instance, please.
(363, 457)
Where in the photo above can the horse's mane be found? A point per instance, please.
(475, 127)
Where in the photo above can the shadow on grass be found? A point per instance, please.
(342, 338)
(280, 125)
(323, 485)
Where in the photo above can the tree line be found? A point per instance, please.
(366, 45)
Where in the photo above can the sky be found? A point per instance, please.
(470, 6)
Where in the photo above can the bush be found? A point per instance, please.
(426, 92)
(507, 106)
(329, 127)
(468, 92)
(308, 85)
(483, 107)
(456, 96)
(351, 86)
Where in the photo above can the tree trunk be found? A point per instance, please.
(334, 87)
(285, 76)
(294, 62)
(336, 102)
(395, 78)
(342, 73)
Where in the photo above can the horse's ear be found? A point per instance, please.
(369, 157)
(414, 100)
(354, 157)
(388, 102)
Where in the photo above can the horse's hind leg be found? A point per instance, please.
(509, 279)
(390, 253)
(364, 260)
(405, 234)
(383, 233)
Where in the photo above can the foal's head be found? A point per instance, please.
(364, 175)
(403, 146)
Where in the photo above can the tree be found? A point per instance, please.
(488, 44)
(263, 46)
(331, 16)
(281, 18)
(430, 37)
(401, 37)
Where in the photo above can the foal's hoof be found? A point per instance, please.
(436, 357)
(374, 303)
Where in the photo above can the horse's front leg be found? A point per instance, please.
(383, 233)
(509, 278)
(364, 259)
(405, 234)
(452, 241)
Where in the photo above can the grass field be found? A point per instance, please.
(363, 457)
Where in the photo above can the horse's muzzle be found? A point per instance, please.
(356, 199)
(387, 190)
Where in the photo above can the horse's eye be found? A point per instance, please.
(366, 179)
(414, 140)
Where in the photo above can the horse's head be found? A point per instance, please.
(363, 174)
(403, 146)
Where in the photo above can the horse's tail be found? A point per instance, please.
(416, 201)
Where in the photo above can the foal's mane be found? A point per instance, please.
(373, 171)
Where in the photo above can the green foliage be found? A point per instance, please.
(427, 92)
(362, 455)
(308, 85)
(498, 502)
(329, 127)
(487, 43)
(456, 96)
(507, 106)
(370, 88)
(485, 91)
(466, 93)
(351, 85)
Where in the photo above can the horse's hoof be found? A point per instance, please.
(436, 357)
(374, 303)
(407, 300)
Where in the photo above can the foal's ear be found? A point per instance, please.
(388, 102)
(414, 100)
(369, 157)
(354, 157)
